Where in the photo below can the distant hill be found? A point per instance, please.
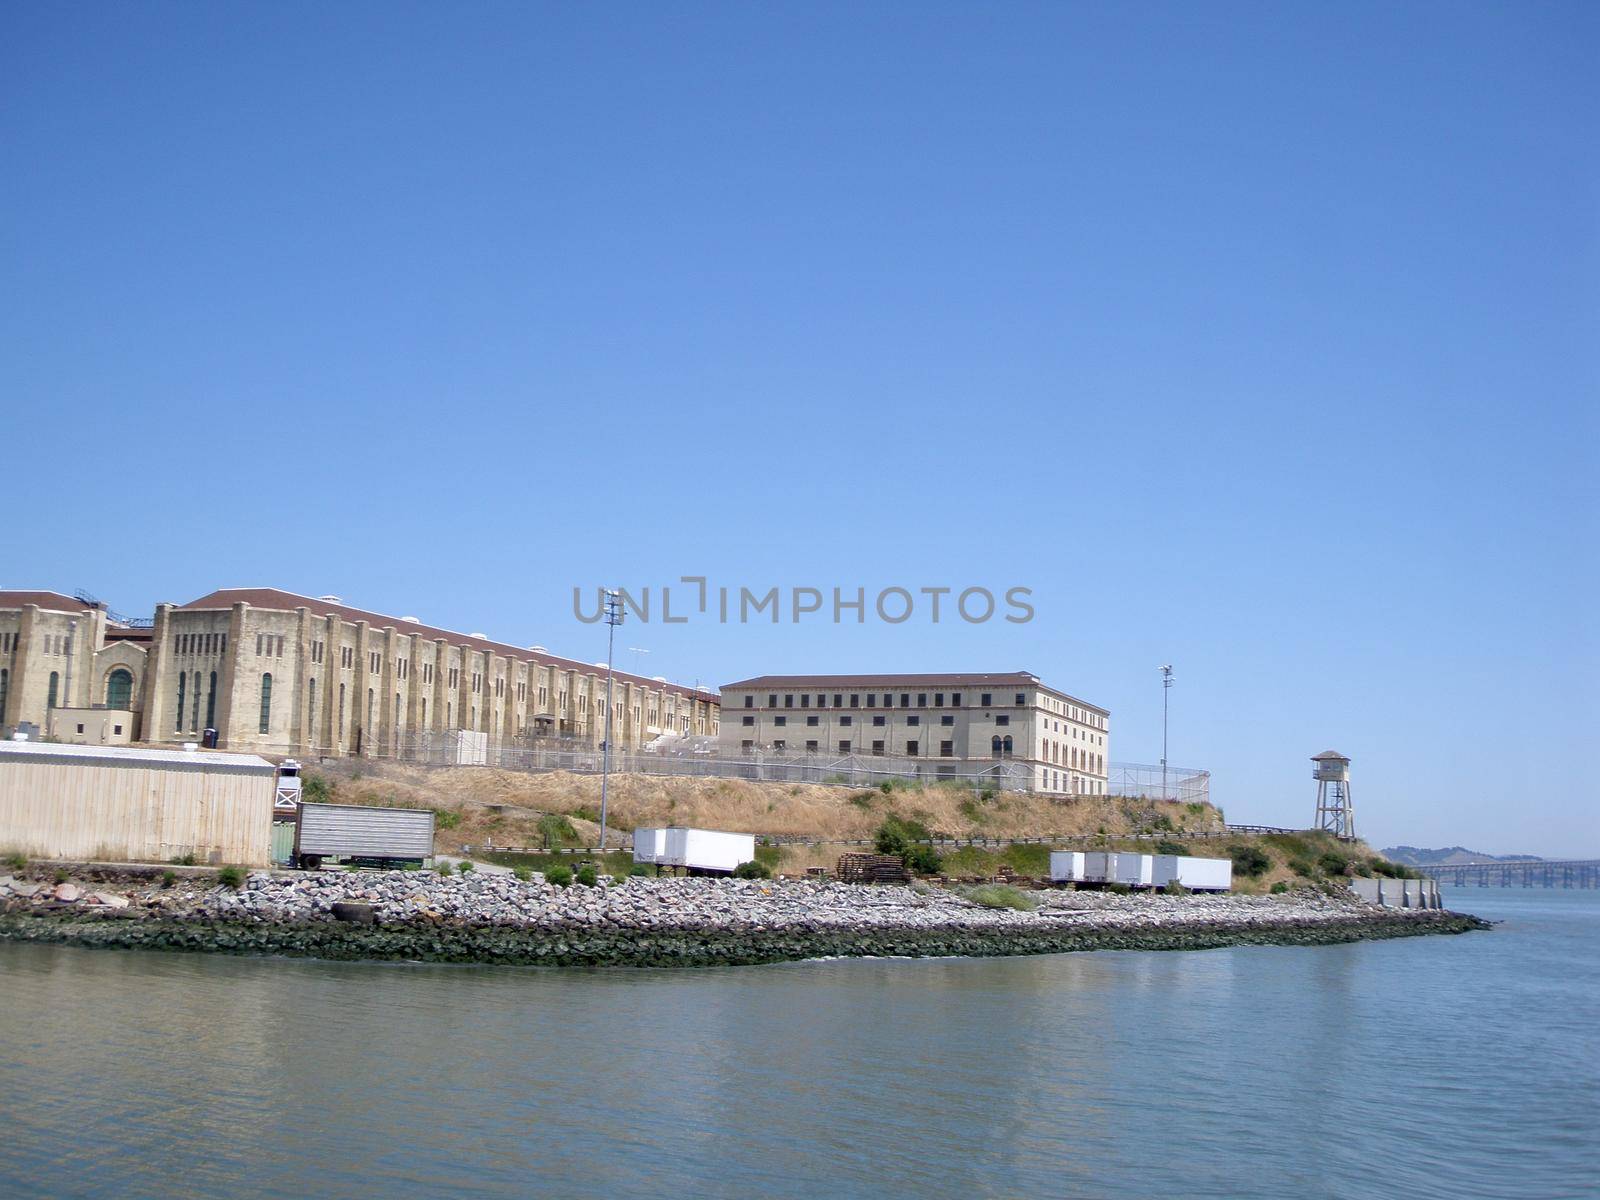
(1415, 856)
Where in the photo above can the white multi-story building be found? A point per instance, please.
(962, 722)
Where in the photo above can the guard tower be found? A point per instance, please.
(1335, 814)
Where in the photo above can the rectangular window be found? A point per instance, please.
(749, 720)
(905, 699)
(877, 747)
(749, 701)
(987, 699)
(837, 700)
(845, 720)
(913, 719)
(855, 699)
(747, 744)
(822, 701)
(844, 746)
(922, 699)
(811, 745)
(878, 721)
(955, 700)
(811, 721)
(788, 700)
(780, 744)
(780, 720)
(911, 749)
(947, 719)
(1002, 720)
(772, 701)
(947, 749)
(938, 699)
(1021, 698)
(805, 700)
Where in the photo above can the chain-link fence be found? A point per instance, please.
(1146, 781)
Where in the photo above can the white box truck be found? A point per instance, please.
(649, 845)
(1196, 874)
(367, 837)
(706, 849)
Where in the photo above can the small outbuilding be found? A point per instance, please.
(121, 804)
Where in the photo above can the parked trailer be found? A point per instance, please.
(380, 837)
(649, 845)
(1196, 874)
(706, 849)
(1066, 866)
(1112, 866)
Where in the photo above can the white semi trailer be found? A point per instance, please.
(694, 849)
(1196, 874)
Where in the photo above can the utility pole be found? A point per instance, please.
(1166, 690)
(613, 619)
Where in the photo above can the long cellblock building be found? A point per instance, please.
(276, 672)
(963, 722)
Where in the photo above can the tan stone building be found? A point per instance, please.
(61, 652)
(276, 672)
(960, 722)
(280, 673)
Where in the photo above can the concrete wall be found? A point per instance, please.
(1399, 893)
(92, 726)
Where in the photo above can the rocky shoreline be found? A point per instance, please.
(487, 918)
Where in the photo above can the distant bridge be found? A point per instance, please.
(1574, 874)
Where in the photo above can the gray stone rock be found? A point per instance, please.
(67, 892)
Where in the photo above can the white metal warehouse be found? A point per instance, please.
(119, 804)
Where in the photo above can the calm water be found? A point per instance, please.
(1454, 1066)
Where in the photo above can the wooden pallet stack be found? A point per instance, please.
(872, 868)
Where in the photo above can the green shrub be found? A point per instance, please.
(446, 818)
(314, 788)
(1195, 808)
(168, 878)
(768, 856)
(752, 870)
(1174, 888)
(61, 875)
(1000, 895)
(556, 830)
(1250, 861)
(1302, 868)
(184, 860)
(16, 861)
(1120, 889)
(584, 813)
(466, 865)
(1166, 846)
(642, 870)
(231, 877)
(1279, 888)
(587, 875)
(558, 876)
(521, 874)
(1333, 862)
(441, 867)
(863, 799)
(924, 860)
(1027, 859)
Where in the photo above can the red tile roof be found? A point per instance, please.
(54, 601)
(279, 600)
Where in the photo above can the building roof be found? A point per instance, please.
(133, 755)
(54, 601)
(280, 600)
(1328, 755)
(996, 679)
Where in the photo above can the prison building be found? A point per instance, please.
(63, 657)
(962, 721)
(277, 672)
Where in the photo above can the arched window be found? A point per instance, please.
(119, 689)
(183, 678)
(194, 717)
(311, 713)
(266, 701)
(55, 687)
(994, 745)
(211, 703)
(341, 711)
(5, 688)
(1006, 745)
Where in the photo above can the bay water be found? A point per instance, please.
(1461, 1066)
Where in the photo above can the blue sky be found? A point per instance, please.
(1258, 339)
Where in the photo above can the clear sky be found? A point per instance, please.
(1259, 339)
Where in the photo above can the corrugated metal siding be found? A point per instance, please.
(114, 810)
(336, 829)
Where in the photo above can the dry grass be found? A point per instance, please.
(505, 806)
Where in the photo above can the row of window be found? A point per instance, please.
(878, 720)
(985, 699)
(1001, 747)
(269, 645)
(8, 642)
(54, 643)
(202, 643)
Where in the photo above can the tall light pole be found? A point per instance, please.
(613, 619)
(1166, 690)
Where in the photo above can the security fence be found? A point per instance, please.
(698, 757)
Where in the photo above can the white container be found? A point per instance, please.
(649, 845)
(706, 849)
(1066, 866)
(1196, 874)
(1136, 870)
(1099, 866)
